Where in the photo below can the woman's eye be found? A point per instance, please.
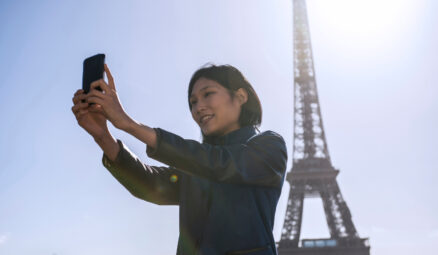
(208, 93)
(193, 102)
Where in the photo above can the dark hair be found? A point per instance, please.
(232, 79)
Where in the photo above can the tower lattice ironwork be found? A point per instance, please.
(312, 173)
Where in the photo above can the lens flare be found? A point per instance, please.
(173, 178)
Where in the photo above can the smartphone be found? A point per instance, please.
(93, 71)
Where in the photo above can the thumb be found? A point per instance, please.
(96, 109)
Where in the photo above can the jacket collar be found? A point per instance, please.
(240, 135)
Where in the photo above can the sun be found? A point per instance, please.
(367, 20)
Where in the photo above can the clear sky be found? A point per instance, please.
(376, 70)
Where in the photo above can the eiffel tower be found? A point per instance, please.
(312, 173)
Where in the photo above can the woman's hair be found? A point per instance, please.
(232, 79)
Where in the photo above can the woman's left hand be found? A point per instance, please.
(108, 99)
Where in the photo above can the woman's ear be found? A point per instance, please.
(241, 95)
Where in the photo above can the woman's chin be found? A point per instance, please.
(208, 132)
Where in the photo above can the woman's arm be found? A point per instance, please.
(259, 161)
(108, 144)
(141, 132)
(159, 185)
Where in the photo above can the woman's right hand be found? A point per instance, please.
(91, 118)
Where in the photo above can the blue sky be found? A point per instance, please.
(376, 71)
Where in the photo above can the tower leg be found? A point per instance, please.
(294, 212)
(337, 213)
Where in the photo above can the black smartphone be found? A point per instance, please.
(93, 71)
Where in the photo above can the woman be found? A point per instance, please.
(227, 187)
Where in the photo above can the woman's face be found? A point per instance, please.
(213, 108)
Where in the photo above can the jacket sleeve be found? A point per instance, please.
(159, 185)
(260, 161)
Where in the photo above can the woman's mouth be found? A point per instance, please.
(206, 118)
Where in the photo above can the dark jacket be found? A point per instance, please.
(227, 188)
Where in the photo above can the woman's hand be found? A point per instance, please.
(109, 101)
(90, 118)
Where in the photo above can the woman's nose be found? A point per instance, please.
(199, 108)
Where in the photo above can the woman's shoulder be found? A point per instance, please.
(268, 145)
(267, 135)
(271, 133)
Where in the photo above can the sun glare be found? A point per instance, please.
(364, 19)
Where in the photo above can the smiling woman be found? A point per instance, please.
(225, 89)
(226, 187)
(211, 104)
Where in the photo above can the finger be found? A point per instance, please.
(109, 77)
(96, 94)
(76, 99)
(95, 100)
(96, 109)
(100, 83)
(95, 106)
(74, 109)
(79, 91)
(77, 107)
(79, 98)
(81, 114)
